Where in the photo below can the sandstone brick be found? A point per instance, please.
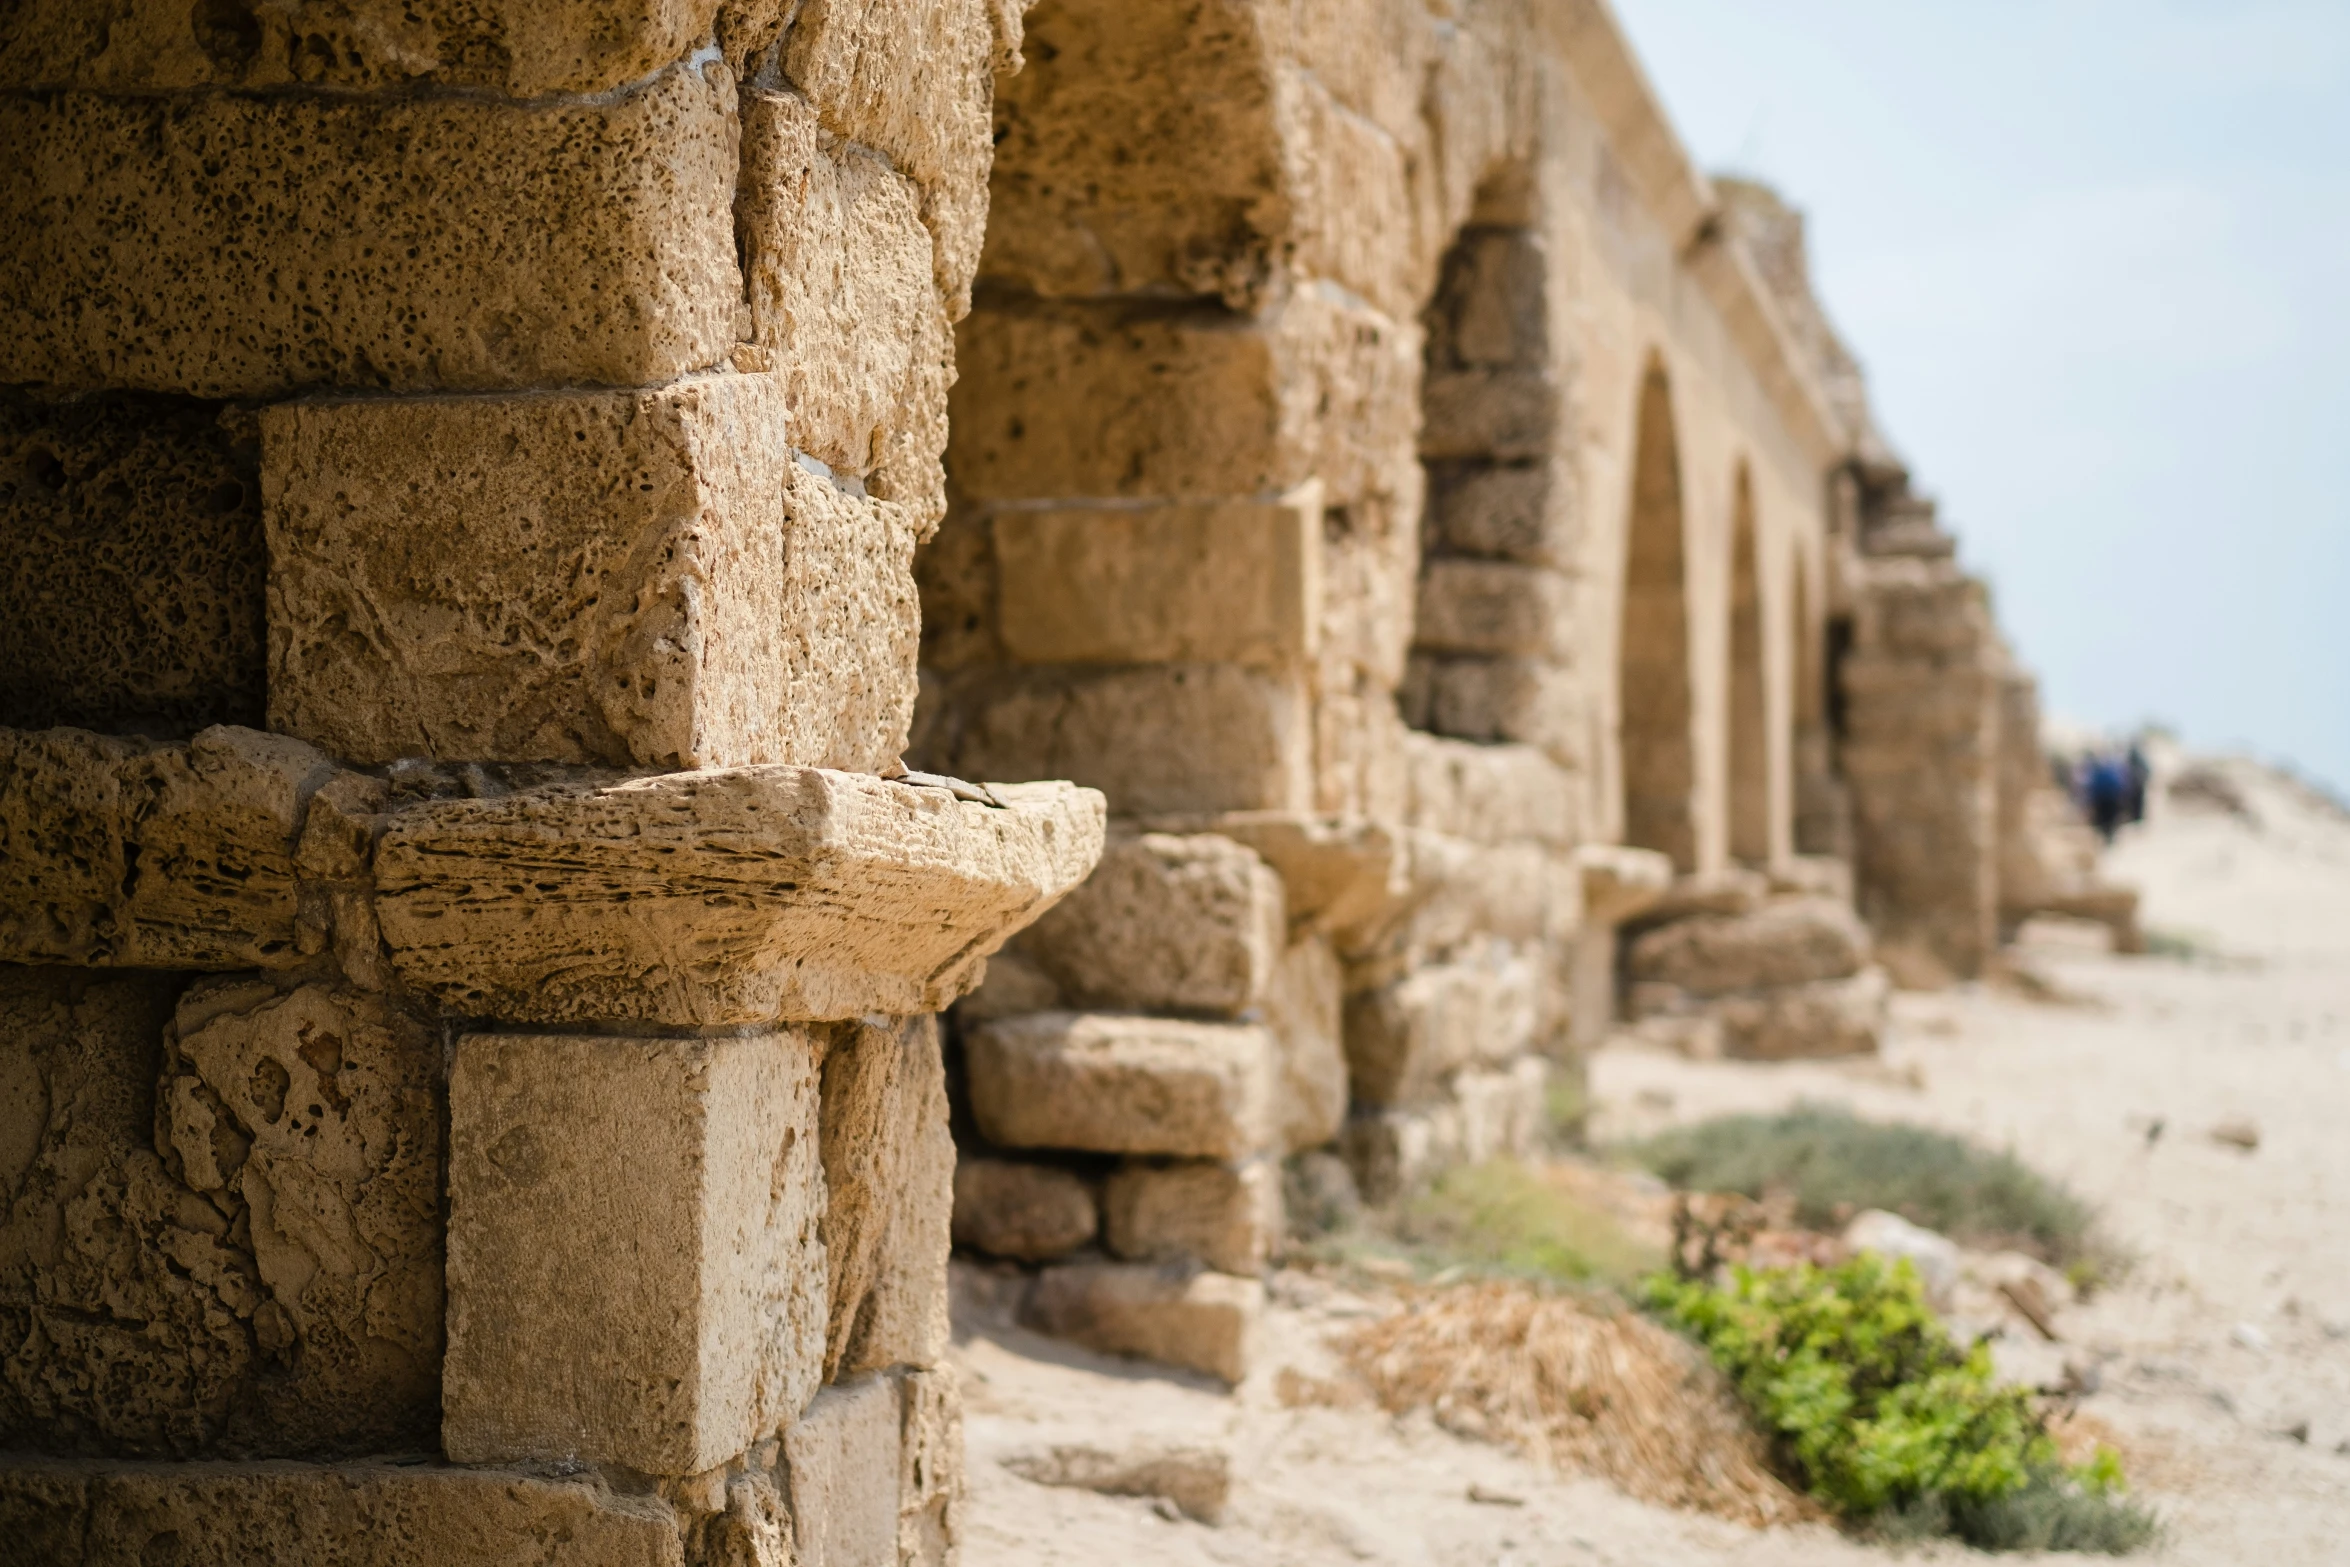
(1620, 881)
(635, 1270)
(1148, 403)
(1404, 1039)
(527, 48)
(1118, 1084)
(1493, 608)
(1511, 415)
(1520, 512)
(1337, 872)
(1792, 941)
(1154, 738)
(131, 566)
(1166, 923)
(229, 1245)
(1350, 185)
(285, 1515)
(1031, 1212)
(1529, 700)
(1489, 1115)
(838, 269)
(1173, 1314)
(622, 577)
(913, 79)
(843, 1465)
(1227, 1216)
(210, 826)
(1233, 581)
(232, 246)
(1305, 1009)
(721, 897)
(931, 1484)
(889, 1179)
(1490, 793)
(1806, 1020)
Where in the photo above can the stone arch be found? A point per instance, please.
(1749, 738)
(1655, 705)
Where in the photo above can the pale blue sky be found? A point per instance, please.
(2095, 255)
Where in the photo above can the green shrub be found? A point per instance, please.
(1888, 1422)
(1833, 1164)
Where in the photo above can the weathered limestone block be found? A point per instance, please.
(913, 79)
(1493, 608)
(1305, 1008)
(1337, 872)
(1517, 512)
(842, 1462)
(209, 827)
(1060, 400)
(1230, 581)
(131, 566)
(525, 48)
(1489, 793)
(1816, 1018)
(1118, 1084)
(643, 578)
(65, 1514)
(889, 1179)
(1403, 1040)
(1790, 942)
(1351, 189)
(838, 268)
(931, 1483)
(250, 246)
(635, 1270)
(1491, 1115)
(1156, 738)
(721, 897)
(1166, 923)
(1507, 414)
(1530, 700)
(1225, 1215)
(231, 1246)
(1031, 1212)
(1174, 1314)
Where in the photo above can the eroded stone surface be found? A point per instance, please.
(1225, 1215)
(636, 1273)
(283, 1515)
(1166, 923)
(634, 578)
(842, 1466)
(131, 566)
(740, 896)
(1175, 1314)
(1792, 941)
(1032, 1212)
(889, 1178)
(231, 246)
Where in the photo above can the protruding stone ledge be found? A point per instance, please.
(748, 895)
(281, 1514)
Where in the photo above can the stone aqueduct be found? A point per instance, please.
(546, 545)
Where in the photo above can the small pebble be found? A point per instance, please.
(2250, 1336)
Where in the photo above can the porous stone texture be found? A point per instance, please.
(838, 270)
(634, 578)
(729, 897)
(636, 1270)
(223, 1232)
(1176, 1314)
(1227, 1216)
(1166, 923)
(889, 1182)
(842, 1467)
(1488, 1115)
(232, 246)
(282, 1515)
(931, 1483)
(1110, 1083)
(526, 48)
(131, 566)
(1792, 941)
(1029, 1212)
(1403, 1040)
(1305, 1008)
(1489, 793)
(209, 828)
(1237, 582)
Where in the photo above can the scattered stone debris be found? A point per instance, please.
(2237, 1132)
(1192, 1480)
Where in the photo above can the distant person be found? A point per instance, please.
(2136, 766)
(2106, 792)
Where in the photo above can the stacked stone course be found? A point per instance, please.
(471, 949)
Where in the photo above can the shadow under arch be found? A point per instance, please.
(1655, 707)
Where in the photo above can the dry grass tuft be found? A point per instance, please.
(1581, 1389)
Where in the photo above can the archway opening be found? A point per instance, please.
(1750, 738)
(1654, 706)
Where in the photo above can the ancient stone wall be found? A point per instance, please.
(468, 948)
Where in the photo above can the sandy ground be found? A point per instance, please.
(2222, 1361)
